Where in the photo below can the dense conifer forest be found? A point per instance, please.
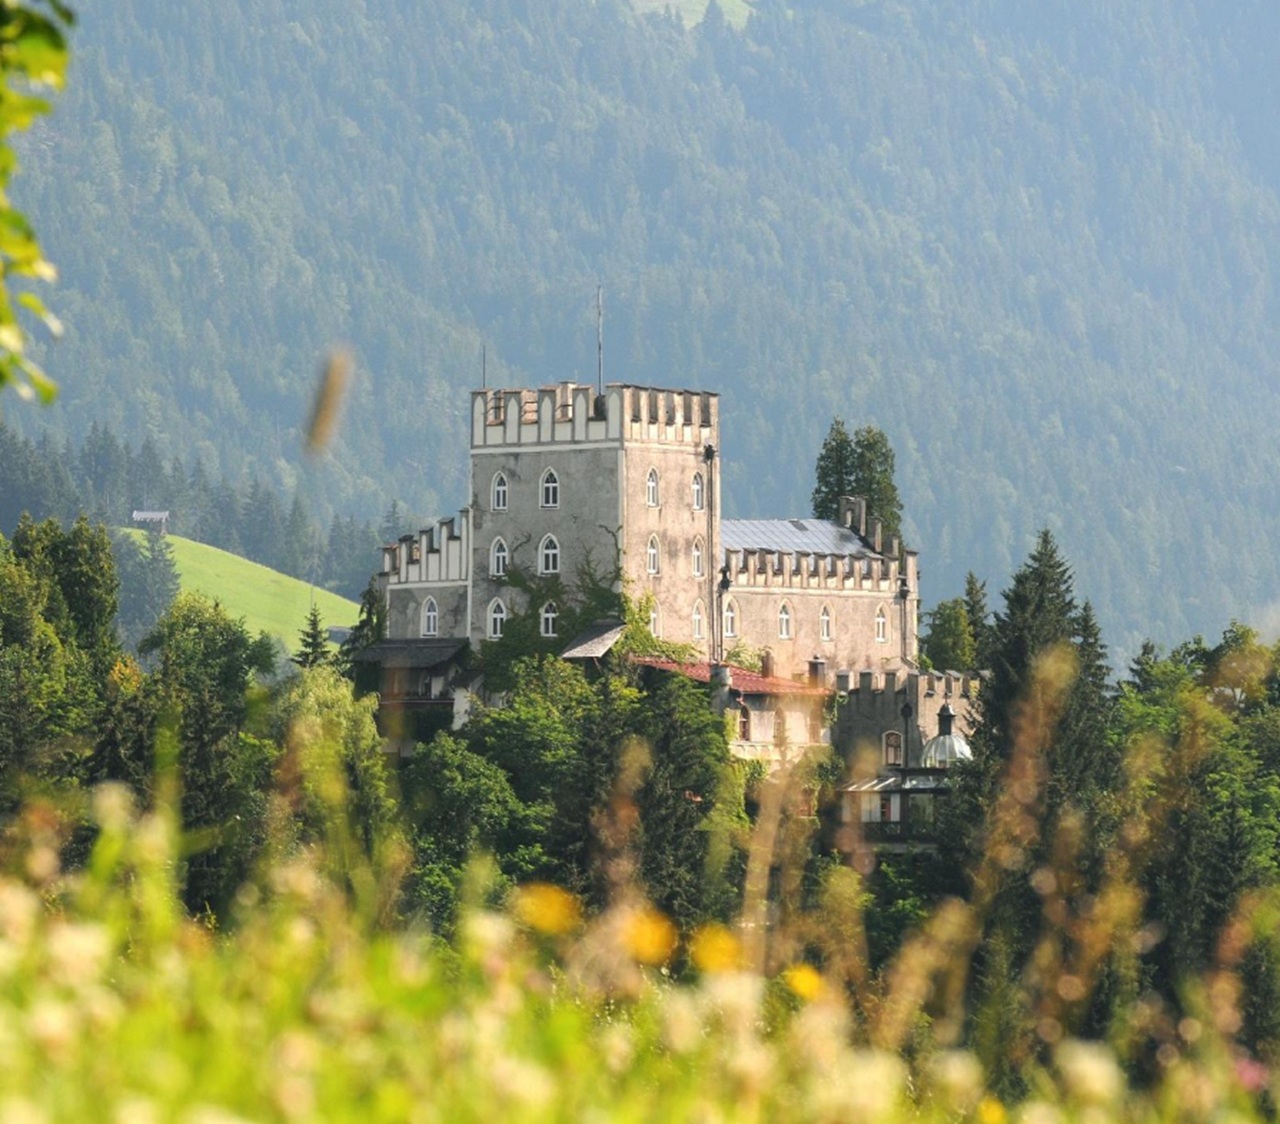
(1034, 247)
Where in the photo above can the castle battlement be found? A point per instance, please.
(865, 688)
(810, 570)
(569, 413)
(436, 554)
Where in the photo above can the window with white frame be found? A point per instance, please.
(882, 626)
(730, 619)
(549, 556)
(549, 615)
(550, 489)
(697, 620)
(653, 556)
(893, 748)
(430, 617)
(497, 618)
(655, 622)
(697, 558)
(784, 621)
(498, 493)
(697, 491)
(824, 623)
(498, 557)
(651, 488)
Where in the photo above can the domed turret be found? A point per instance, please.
(946, 749)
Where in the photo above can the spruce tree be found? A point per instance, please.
(873, 478)
(975, 604)
(314, 642)
(834, 472)
(949, 644)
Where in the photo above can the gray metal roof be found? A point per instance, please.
(594, 641)
(817, 536)
(425, 653)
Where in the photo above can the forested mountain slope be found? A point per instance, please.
(1035, 244)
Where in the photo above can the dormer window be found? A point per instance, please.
(697, 491)
(549, 556)
(697, 558)
(498, 493)
(498, 557)
(784, 621)
(651, 488)
(497, 619)
(430, 618)
(548, 618)
(653, 558)
(550, 489)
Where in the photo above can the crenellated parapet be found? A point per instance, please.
(437, 554)
(568, 413)
(865, 690)
(805, 570)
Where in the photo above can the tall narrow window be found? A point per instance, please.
(549, 615)
(893, 748)
(497, 619)
(784, 621)
(697, 491)
(655, 623)
(697, 558)
(824, 623)
(549, 556)
(550, 489)
(653, 558)
(430, 618)
(499, 492)
(730, 619)
(651, 488)
(744, 724)
(882, 626)
(498, 559)
(697, 620)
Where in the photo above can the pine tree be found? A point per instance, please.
(314, 649)
(949, 644)
(975, 604)
(873, 478)
(834, 472)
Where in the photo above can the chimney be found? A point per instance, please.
(853, 514)
(844, 680)
(873, 532)
(766, 664)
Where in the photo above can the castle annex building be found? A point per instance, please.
(564, 479)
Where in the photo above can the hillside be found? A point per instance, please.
(1036, 247)
(268, 601)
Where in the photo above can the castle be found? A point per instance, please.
(563, 478)
(629, 481)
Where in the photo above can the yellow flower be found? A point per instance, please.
(548, 908)
(991, 1111)
(715, 949)
(649, 936)
(804, 980)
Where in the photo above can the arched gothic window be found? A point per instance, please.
(498, 493)
(549, 615)
(697, 491)
(697, 620)
(497, 618)
(550, 489)
(893, 748)
(498, 559)
(784, 621)
(549, 556)
(882, 626)
(651, 488)
(653, 557)
(824, 623)
(697, 558)
(744, 724)
(430, 617)
(730, 618)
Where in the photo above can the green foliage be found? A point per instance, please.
(313, 648)
(33, 57)
(834, 472)
(949, 644)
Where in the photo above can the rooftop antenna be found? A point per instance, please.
(600, 339)
(484, 368)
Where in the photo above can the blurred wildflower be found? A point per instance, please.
(1090, 1072)
(649, 936)
(715, 949)
(957, 1079)
(328, 400)
(548, 909)
(990, 1111)
(804, 980)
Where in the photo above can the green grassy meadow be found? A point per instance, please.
(268, 600)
